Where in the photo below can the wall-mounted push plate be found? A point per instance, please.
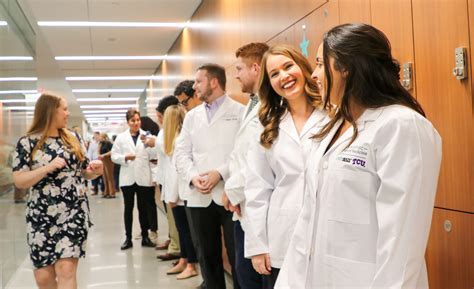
(407, 81)
(460, 71)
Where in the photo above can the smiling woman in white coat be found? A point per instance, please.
(290, 114)
(371, 182)
(135, 176)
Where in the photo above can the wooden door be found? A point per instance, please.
(440, 27)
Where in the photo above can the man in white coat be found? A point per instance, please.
(249, 58)
(202, 154)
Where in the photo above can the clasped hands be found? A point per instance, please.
(205, 182)
(95, 167)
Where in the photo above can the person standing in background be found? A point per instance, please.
(52, 161)
(93, 154)
(187, 95)
(105, 150)
(135, 176)
(202, 151)
(248, 69)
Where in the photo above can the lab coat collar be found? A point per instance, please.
(287, 125)
(250, 116)
(368, 116)
(130, 139)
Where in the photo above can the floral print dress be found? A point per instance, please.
(57, 213)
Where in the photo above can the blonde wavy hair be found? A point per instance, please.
(274, 106)
(172, 124)
(45, 111)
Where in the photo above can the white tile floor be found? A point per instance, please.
(105, 266)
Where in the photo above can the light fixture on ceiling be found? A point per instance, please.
(107, 90)
(18, 78)
(105, 111)
(105, 99)
(3, 23)
(20, 107)
(118, 57)
(104, 115)
(104, 78)
(187, 24)
(16, 58)
(31, 100)
(105, 106)
(18, 91)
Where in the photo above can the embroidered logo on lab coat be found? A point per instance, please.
(355, 155)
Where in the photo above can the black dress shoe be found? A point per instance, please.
(146, 242)
(127, 244)
(202, 286)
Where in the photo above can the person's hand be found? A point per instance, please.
(149, 141)
(261, 264)
(130, 157)
(225, 201)
(96, 167)
(211, 179)
(198, 183)
(172, 205)
(57, 164)
(101, 157)
(235, 209)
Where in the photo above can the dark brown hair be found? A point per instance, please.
(215, 71)
(131, 113)
(364, 54)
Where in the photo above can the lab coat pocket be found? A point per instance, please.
(280, 230)
(345, 273)
(348, 196)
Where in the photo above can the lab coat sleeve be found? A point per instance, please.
(184, 151)
(118, 153)
(408, 160)
(234, 186)
(259, 185)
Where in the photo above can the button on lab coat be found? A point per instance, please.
(367, 208)
(274, 188)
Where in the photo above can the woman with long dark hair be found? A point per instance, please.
(290, 113)
(371, 180)
(52, 162)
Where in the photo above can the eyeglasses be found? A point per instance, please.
(185, 102)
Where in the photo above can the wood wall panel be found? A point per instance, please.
(394, 18)
(354, 11)
(450, 255)
(440, 27)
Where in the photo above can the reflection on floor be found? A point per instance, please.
(105, 265)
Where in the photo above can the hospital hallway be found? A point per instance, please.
(105, 266)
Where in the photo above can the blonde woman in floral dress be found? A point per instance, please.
(51, 161)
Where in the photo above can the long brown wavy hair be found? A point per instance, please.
(45, 111)
(274, 106)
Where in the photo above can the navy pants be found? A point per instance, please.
(185, 241)
(247, 276)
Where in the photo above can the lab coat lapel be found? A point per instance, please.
(221, 110)
(249, 117)
(288, 126)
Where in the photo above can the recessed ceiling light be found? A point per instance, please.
(15, 58)
(102, 78)
(122, 24)
(97, 58)
(105, 99)
(3, 23)
(20, 107)
(105, 115)
(107, 90)
(18, 78)
(18, 100)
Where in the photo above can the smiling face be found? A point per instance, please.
(62, 115)
(286, 77)
(134, 123)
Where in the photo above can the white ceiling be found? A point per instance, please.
(104, 41)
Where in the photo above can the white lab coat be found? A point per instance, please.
(137, 171)
(274, 188)
(248, 133)
(367, 209)
(203, 146)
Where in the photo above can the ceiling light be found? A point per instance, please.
(105, 111)
(18, 100)
(17, 91)
(151, 57)
(108, 90)
(18, 78)
(151, 77)
(105, 115)
(108, 106)
(3, 23)
(122, 24)
(20, 107)
(105, 99)
(8, 58)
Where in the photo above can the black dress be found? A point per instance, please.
(57, 213)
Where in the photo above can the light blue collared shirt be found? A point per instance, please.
(211, 108)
